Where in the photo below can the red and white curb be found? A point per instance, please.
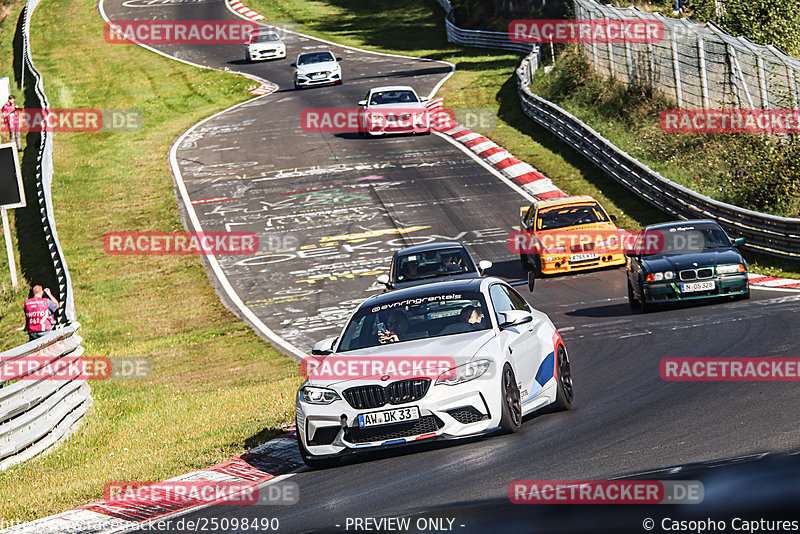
(264, 87)
(274, 458)
(772, 281)
(519, 172)
(244, 10)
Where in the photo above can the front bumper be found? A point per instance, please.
(446, 412)
(262, 54)
(560, 263)
(304, 80)
(388, 130)
(724, 285)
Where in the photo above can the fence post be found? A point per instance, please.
(676, 68)
(701, 51)
(736, 68)
(610, 50)
(762, 75)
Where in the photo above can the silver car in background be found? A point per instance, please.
(319, 67)
(265, 44)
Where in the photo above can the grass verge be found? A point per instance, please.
(217, 389)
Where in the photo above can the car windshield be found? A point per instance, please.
(427, 316)
(268, 37)
(564, 216)
(687, 239)
(433, 264)
(393, 97)
(314, 57)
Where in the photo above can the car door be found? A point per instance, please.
(519, 341)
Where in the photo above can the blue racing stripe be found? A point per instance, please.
(545, 371)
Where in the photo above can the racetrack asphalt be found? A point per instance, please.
(343, 204)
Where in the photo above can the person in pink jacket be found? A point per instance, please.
(40, 312)
(11, 120)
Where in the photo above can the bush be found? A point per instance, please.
(764, 174)
(767, 22)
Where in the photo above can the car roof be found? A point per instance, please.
(470, 284)
(675, 224)
(316, 52)
(559, 201)
(428, 246)
(393, 88)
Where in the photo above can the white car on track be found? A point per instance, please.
(394, 109)
(265, 44)
(439, 361)
(318, 67)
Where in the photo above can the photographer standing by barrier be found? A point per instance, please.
(11, 120)
(39, 312)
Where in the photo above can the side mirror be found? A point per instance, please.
(324, 347)
(613, 217)
(484, 265)
(739, 241)
(362, 103)
(293, 65)
(338, 59)
(531, 280)
(513, 318)
(423, 99)
(384, 279)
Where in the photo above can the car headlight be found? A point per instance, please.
(659, 276)
(463, 373)
(669, 275)
(729, 269)
(318, 395)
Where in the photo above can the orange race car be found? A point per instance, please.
(561, 235)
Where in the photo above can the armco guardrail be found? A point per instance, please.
(778, 236)
(44, 178)
(36, 410)
(478, 38)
